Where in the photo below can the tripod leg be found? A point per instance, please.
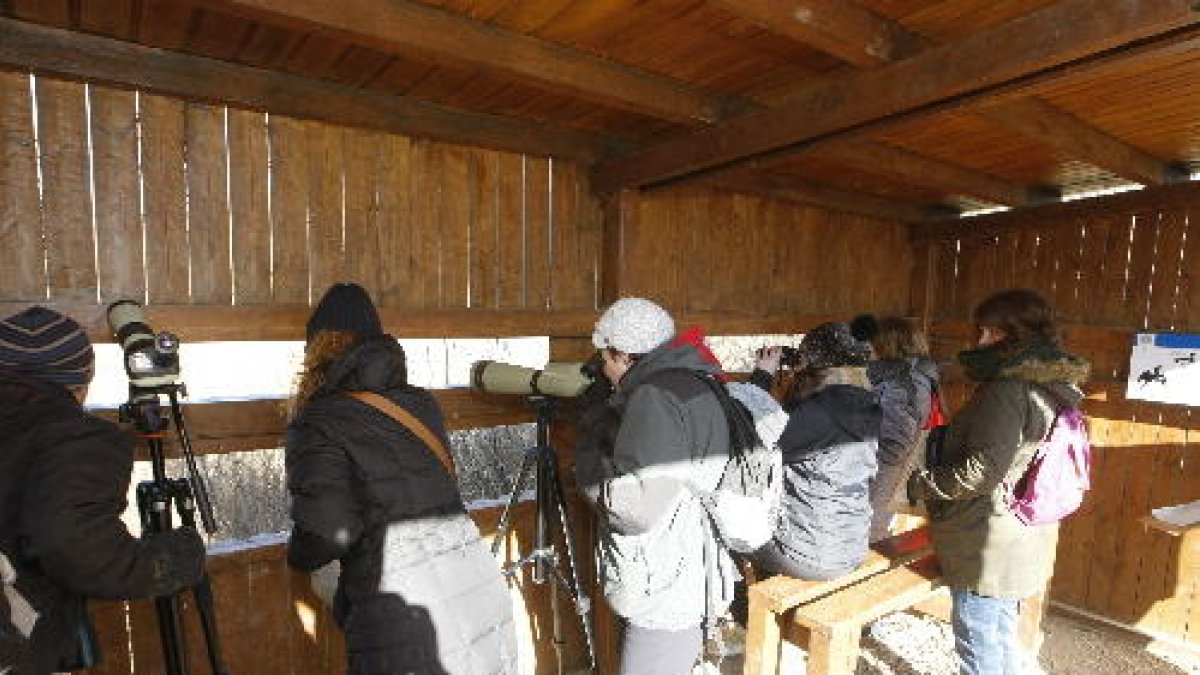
(527, 466)
(203, 594)
(154, 507)
(583, 604)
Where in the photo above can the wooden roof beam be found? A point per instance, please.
(922, 170)
(59, 52)
(839, 28)
(1037, 119)
(409, 28)
(791, 189)
(1016, 54)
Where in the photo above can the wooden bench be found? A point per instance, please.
(835, 621)
(774, 601)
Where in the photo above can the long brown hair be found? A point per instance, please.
(325, 347)
(898, 338)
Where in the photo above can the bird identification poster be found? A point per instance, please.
(1165, 368)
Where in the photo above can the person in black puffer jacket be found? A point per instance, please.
(418, 591)
(829, 447)
(63, 479)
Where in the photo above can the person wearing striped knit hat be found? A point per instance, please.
(64, 475)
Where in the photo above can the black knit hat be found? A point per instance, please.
(345, 307)
(831, 345)
(48, 346)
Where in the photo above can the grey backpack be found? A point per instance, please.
(745, 506)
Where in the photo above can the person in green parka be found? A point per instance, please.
(990, 559)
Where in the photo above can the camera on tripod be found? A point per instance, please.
(152, 364)
(151, 359)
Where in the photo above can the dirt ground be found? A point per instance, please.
(912, 644)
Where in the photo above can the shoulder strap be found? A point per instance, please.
(406, 419)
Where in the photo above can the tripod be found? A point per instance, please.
(551, 509)
(155, 499)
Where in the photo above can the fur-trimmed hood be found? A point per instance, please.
(1038, 363)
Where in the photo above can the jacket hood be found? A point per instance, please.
(664, 357)
(375, 364)
(1054, 370)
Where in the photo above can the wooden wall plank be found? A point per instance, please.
(537, 233)
(23, 276)
(566, 274)
(1164, 282)
(424, 254)
(326, 242)
(268, 586)
(457, 174)
(249, 169)
(485, 233)
(112, 636)
(289, 210)
(1189, 278)
(393, 221)
(66, 190)
(511, 231)
(119, 252)
(1138, 275)
(362, 165)
(163, 194)
(208, 204)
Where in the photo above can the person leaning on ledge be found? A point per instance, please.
(64, 475)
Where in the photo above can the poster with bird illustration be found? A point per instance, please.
(1165, 368)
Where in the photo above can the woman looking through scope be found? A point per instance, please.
(418, 591)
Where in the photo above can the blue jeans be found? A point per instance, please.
(985, 634)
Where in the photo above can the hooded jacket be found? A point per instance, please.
(904, 388)
(829, 447)
(64, 476)
(661, 563)
(982, 546)
(366, 491)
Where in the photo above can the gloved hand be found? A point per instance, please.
(178, 557)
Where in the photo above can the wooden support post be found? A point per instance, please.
(762, 634)
(833, 650)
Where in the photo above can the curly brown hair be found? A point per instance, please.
(325, 347)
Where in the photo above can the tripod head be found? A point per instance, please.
(144, 410)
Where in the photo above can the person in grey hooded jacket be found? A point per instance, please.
(829, 447)
(658, 441)
(904, 379)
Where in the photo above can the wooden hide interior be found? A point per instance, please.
(492, 168)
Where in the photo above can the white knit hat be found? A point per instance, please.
(633, 326)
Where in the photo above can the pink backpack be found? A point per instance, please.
(1053, 485)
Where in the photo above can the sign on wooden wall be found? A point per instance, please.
(1165, 368)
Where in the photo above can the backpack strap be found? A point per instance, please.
(408, 421)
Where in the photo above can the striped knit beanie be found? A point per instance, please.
(47, 346)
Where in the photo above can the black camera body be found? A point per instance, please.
(789, 356)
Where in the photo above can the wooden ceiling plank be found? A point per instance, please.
(1031, 47)
(408, 28)
(922, 170)
(58, 52)
(1038, 119)
(789, 188)
(839, 28)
